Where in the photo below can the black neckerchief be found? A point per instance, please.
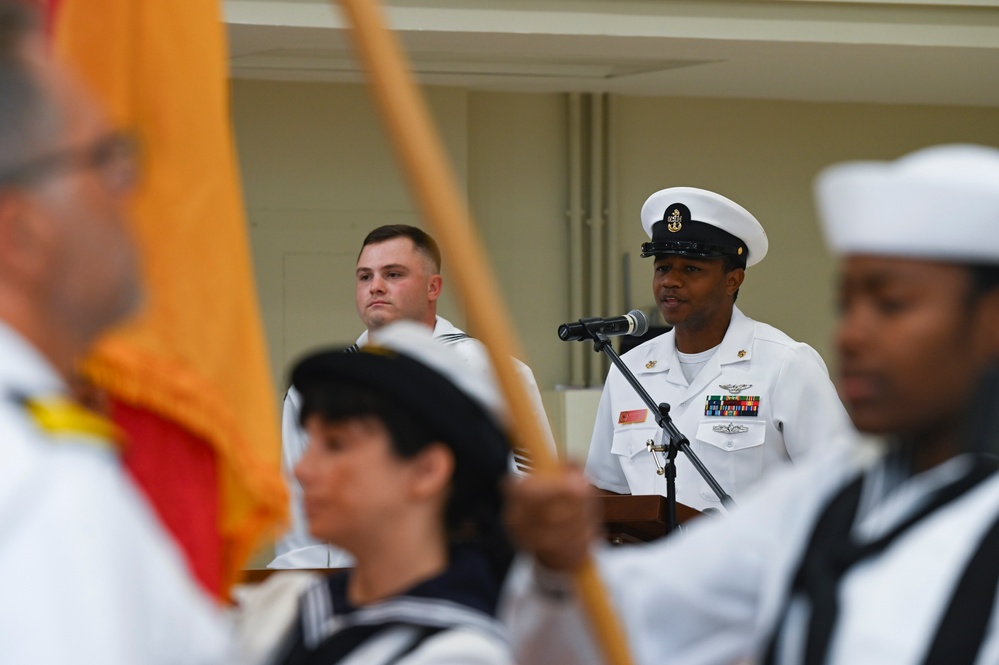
(832, 551)
(329, 627)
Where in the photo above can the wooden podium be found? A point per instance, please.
(638, 519)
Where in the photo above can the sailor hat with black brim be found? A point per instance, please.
(939, 203)
(693, 222)
(405, 365)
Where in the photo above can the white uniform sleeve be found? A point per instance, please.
(805, 405)
(602, 466)
(531, 386)
(710, 595)
(459, 646)
(89, 577)
(293, 443)
(695, 605)
(474, 352)
(545, 622)
(265, 612)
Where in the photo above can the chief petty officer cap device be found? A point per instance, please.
(693, 222)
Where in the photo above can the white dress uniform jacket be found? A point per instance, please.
(87, 575)
(714, 595)
(761, 401)
(297, 549)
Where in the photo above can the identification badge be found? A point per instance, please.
(732, 406)
(631, 417)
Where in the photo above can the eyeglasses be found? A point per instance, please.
(113, 156)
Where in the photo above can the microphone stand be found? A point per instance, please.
(676, 439)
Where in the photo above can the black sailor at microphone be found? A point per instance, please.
(882, 552)
(749, 398)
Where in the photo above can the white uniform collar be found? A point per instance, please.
(736, 346)
(25, 370)
(441, 327)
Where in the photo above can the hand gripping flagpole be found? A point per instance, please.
(431, 180)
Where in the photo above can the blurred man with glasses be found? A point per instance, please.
(86, 572)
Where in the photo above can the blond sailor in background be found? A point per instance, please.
(397, 278)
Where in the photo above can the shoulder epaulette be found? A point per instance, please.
(60, 416)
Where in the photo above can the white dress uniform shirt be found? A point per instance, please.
(713, 595)
(760, 401)
(297, 549)
(87, 575)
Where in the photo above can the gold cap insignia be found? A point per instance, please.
(740, 251)
(675, 221)
(651, 364)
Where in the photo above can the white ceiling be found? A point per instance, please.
(889, 51)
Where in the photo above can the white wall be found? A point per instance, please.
(318, 175)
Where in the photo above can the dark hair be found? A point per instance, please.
(335, 402)
(472, 513)
(730, 263)
(27, 116)
(421, 240)
(984, 278)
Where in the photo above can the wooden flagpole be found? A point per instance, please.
(433, 184)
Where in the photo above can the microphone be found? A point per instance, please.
(632, 323)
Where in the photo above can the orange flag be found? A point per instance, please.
(188, 377)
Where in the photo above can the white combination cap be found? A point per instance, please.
(695, 222)
(939, 203)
